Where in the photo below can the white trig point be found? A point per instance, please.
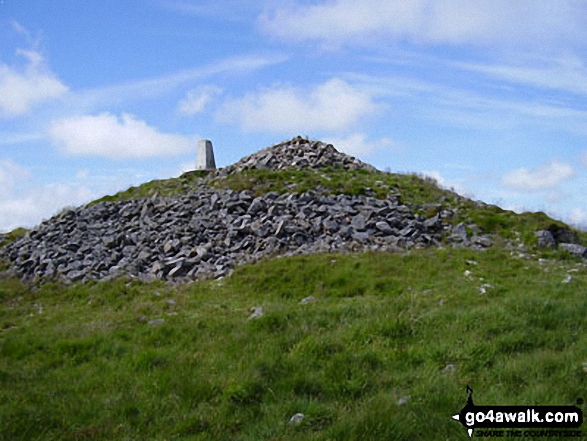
(205, 156)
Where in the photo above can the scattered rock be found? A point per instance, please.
(568, 279)
(256, 312)
(483, 289)
(309, 299)
(156, 322)
(403, 401)
(297, 418)
(449, 369)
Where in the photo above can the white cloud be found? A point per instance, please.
(333, 106)
(578, 218)
(22, 204)
(455, 185)
(29, 208)
(545, 177)
(109, 136)
(11, 174)
(23, 88)
(459, 106)
(565, 73)
(430, 21)
(153, 87)
(358, 145)
(196, 100)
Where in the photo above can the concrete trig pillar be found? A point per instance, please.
(205, 156)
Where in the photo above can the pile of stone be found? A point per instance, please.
(207, 232)
(299, 153)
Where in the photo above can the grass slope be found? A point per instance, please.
(83, 363)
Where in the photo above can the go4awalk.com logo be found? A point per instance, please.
(518, 421)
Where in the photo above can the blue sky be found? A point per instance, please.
(487, 96)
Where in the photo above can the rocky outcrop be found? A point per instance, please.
(562, 238)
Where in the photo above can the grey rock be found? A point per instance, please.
(360, 237)
(568, 279)
(449, 369)
(358, 222)
(156, 322)
(384, 227)
(330, 226)
(403, 401)
(545, 239)
(484, 241)
(109, 241)
(563, 235)
(297, 418)
(574, 249)
(256, 312)
(460, 231)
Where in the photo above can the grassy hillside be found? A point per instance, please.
(384, 352)
(90, 362)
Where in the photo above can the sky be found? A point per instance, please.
(489, 97)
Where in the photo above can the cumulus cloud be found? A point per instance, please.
(23, 88)
(10, 175)
(196, 100)
(107, 135)
(545, 177)
(358, 145)
(565, 73)
(24, 204)
(429, 21)
(455, 185)
(332, 106)
(26, 209)
(578, 217)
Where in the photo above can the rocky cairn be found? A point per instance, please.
(207, 232)
(298, 153)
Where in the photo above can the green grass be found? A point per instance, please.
(383, 326)
(11, 236)
(160, 188)
(493, 219)
(413, 188)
